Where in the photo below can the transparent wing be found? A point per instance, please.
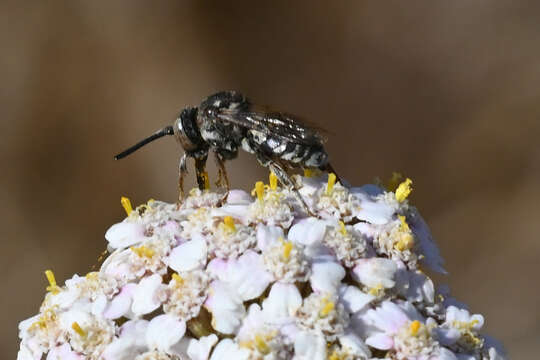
(277, 124)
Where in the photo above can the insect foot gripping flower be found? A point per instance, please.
(253, 277)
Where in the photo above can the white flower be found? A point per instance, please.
(247, 275)
(375, 273)
(342, 283)
(186, 293)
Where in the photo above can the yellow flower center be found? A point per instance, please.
(126, 203)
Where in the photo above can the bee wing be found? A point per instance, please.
(277, 124)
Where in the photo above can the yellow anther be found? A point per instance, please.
(259, 190)
(178, 279)
(376, 290)
(342, 228)
(327, 308)
(229, 223)
(204, 175)
(52, 288)
(287, 248)
(126, 203)
(406, 242)
(394, 181)
(403, 190)
(308, 172)
(331, 183)
(75, 326)
(404, 225)
(414, 327)
(143, 251)
(93, 275)
(336, 356)
(261, 345)
(273, 181)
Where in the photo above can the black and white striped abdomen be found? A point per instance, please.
(276, 147)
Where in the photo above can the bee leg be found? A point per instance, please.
(200, 170)
(285, 179)
(223, 179)
(182, 171)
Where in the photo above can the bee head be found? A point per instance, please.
(187, 132)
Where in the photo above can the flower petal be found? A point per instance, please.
(146, 295)
(164, 331)
(227, 349)
(308, 232)
(190, 255)
(124, 234)
(226, 306)
(353, 298)
(121, 303)
(282, 302)
(326, 276)
(380, 341)
(200, 349)
(309, 346)
(375, 272)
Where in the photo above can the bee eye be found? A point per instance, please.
(210, 112)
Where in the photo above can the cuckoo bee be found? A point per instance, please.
(228, 121)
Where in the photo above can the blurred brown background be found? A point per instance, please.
(446, 92)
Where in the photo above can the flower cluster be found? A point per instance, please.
(256, 276)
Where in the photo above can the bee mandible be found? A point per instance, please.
(228, 121)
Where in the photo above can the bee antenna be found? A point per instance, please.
(160, 133)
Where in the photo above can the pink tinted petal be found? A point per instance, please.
(63, 352)
(380, 341)
(121, 303)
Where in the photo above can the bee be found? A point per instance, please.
(226, 122)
